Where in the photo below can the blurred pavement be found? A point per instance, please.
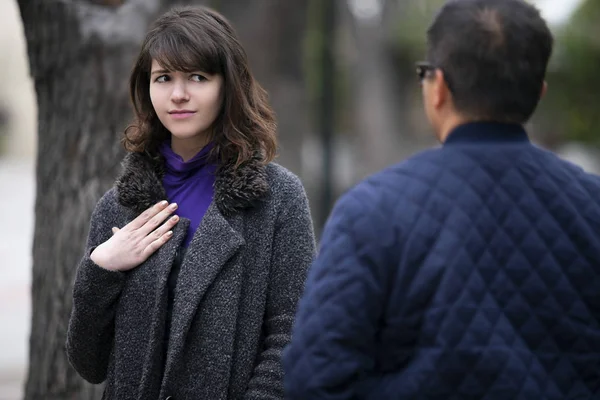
(17, 185)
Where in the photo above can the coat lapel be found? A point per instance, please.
(216, 241)
(153, 277)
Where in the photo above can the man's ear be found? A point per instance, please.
(441, 92)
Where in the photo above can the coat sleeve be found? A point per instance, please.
(332, 354)
(95, 296)
(293, 253)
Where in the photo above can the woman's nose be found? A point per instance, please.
(179, 92)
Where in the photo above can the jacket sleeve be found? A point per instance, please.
(332, 353)
(95, 296)
(293, 253)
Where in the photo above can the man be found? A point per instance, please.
(471, 271)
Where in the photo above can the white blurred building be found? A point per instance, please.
(17, 185)
(17, 97)
(557, 12)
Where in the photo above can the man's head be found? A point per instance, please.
(487, 61)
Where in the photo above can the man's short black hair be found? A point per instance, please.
(494, 55)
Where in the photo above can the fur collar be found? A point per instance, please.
(140, 184)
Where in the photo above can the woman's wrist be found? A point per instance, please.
(101, 260)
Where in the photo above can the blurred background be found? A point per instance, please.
(341, 78)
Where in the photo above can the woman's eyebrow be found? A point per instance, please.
(160, 71)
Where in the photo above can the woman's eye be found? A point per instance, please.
(162, 78)
(198, 78)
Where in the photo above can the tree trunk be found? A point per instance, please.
(80, 55)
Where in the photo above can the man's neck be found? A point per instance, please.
(449, 124)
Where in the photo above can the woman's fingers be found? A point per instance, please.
(157, 220)
(157, 244)
(147, 215)
(160, 231)
(115, 230)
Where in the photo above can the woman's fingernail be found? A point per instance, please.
(174, 218)
(163, 203)
(173, 206)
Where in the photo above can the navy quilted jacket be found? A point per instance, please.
(471, 271)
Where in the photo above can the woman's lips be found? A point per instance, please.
(181, 114)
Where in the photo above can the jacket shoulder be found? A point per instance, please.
(287, 194)
(107, 203)
(107, 210)
(391, 181)
(284, 185)
(281, 178)
(109, 198)
(390, 198)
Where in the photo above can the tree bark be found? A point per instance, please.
(80, 55)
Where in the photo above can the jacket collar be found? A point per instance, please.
(486, 132)
(140, 184)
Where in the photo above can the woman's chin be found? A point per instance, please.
(186, 135)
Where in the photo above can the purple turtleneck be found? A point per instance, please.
(189, 184)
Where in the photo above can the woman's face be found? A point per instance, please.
(186, 103)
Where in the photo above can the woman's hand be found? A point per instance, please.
(135, 242)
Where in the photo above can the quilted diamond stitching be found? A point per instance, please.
(553, 288)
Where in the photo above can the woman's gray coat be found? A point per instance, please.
(234, 303)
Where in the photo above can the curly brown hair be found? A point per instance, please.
(198, 38)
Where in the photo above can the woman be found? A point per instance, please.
(198, 255)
